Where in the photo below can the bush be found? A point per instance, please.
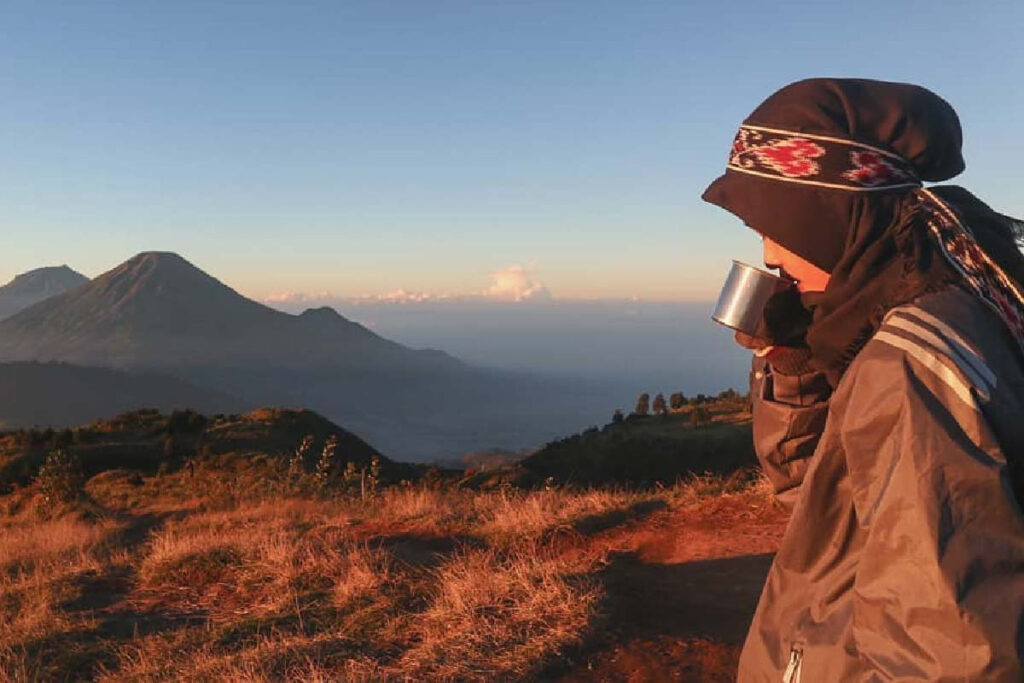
(60, 478)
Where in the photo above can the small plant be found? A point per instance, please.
(351, 476)
(297, 463)
(371, 479)
(325, 465)
(60, 478)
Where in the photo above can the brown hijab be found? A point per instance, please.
(832, 170)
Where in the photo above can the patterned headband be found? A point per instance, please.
(818, 160)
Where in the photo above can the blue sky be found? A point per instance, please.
(362, 147)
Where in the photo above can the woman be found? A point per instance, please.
(889, 407)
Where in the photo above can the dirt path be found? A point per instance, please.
(681, 598)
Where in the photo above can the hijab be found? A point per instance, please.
(833, 170)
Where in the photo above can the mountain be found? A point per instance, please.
(157, 310)
(35, 285)
(61, 395)
(158, 313)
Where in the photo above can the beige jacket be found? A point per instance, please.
(904, 557)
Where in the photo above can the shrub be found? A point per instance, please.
(60, 478)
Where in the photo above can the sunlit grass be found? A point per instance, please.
(413, 583)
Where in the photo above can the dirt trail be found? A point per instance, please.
(680, 598)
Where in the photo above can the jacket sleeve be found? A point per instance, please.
(789, 415)
(938, 593)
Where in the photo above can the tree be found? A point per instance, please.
(185, 422)
(659, 405)
(700, 417)
(643, 404)
(677, 401)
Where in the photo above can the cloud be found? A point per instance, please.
(400, 296)
(516, 283)
(289, 297)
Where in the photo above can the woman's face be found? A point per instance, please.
(808, 277)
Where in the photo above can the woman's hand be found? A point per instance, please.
(781, 337)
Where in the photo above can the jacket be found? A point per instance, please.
(904, 556)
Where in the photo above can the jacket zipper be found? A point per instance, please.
(792, 672)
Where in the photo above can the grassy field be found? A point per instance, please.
(204, 576)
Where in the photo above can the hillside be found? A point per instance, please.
(62, 395)
(639, 450)
(36, 285)
(147, 441)
(212, 576)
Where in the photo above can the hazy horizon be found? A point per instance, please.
(636, 345)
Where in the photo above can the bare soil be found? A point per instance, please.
(681, 594)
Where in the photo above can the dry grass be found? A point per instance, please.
(414, 584)
(497, 615)
(42, 563)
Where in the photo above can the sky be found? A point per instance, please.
(496, 149)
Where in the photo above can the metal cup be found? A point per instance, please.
(744, 295)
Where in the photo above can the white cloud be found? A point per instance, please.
(400, 296)
(516, 283)
(289, 297)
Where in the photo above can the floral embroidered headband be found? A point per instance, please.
(818, 160)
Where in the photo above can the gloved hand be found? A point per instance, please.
(781, 338)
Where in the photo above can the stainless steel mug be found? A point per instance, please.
(744, 295)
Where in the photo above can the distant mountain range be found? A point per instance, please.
(157, 310)
(159, 313)
(34, 286)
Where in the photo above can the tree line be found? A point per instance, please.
(677, 401)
